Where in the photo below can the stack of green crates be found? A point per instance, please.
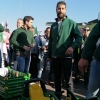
(12, 86)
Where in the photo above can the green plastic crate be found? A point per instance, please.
(11, 87)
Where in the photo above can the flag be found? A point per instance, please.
(36, 31)
(6, 24)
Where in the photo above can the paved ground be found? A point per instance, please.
(80, 92)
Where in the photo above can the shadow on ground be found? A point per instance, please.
(80, 92)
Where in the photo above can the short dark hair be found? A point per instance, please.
(7, 30)
(27, 18)
(61, 2)
(47, 28)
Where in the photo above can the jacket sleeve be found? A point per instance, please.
(13, 39)
(90, 44)
(1, 28)
(50, 44)
(77, 36)
(11, 35)
(33, 41)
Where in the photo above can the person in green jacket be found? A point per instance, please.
(1, 28)
(23, 41)
(1, 37)
(61, 45)
(91, 51)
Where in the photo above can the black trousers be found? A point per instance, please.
(59, 65)
(33, 70)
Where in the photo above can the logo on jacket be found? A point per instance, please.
(54, 27)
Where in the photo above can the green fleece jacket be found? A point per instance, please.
(90, 45)
(61, 40)
(20, 38)
(1, 28)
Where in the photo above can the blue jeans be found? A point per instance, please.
(94, 80)
(42, 65)
(23, 64)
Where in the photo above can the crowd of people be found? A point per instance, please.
(62, 49)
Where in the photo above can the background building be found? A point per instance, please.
(90, 24)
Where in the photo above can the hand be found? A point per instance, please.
(72, 60)
(44, 48)
(4, 41)
(48, 59)
(83, 64)
(69, 51)
(31, 45)
(26, 48)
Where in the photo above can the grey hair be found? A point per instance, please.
(19, 19)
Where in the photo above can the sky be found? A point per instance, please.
(45, 11)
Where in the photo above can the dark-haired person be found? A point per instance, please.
(43, 52)
(86, 73)
(34, 55)
(23, 41)
(61, 45)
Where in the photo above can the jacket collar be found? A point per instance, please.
(62, 20)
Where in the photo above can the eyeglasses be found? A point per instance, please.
(87, 29)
